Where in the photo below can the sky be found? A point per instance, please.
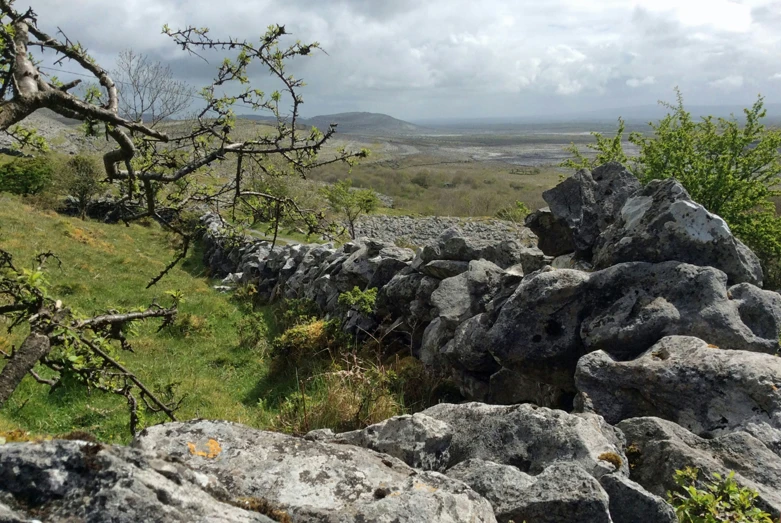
(419, 60)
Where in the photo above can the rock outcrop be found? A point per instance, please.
(662, 223)
(80, 481)
(657, 448)
(315, 481)
(650, 316)
(699, 386)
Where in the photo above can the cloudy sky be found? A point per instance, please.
(454, 58)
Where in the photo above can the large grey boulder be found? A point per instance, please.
(631, 503)
(662, 223)
(637, 304)
(407, 295)
(657, 448)
(454, 245)
(79, 481)
(461, 297)
(504, 486)
(589, 202)
(531, 438)
(507, 387)
(556, 316)
(554, 236)
(562, 493)
(418, 440)
(683, 379)
(470, 347)
(315, 481)
(537, 331)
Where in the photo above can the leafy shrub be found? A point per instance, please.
(26, 176)
(422, 179)
(294, 312)
(515, 213)
(81, 178)
(729, 167)
(350, 203)
(721, 500)
(361, 301)
(306, 341)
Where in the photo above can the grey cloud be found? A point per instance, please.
(458, 57)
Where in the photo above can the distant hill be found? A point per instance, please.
(354, 123)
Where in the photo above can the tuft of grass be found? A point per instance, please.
(201, 358)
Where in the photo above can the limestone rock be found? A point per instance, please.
(315, 481)
(554, 236)
(705, 389)
(662, 223)
(442, 269)
(504, 486)
(657, 448)
(537, 331)
(77, 481)
(637, 304)
(631, 503)
(418, 440)
(588, 202)
(529, 437)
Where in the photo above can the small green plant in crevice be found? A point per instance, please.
(307, 341)
(296, 311)
(358, 300)
(721, 500)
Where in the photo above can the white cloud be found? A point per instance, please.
(776, 76)
(637, 82)
(728, 83)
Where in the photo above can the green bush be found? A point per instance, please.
(721, 500)
(361, 301)
(515, 213)
(732, 168)
(81, 178)
(350, 203)
(26, 176)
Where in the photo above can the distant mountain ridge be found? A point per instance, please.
(353, 123)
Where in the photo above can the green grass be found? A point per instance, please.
(106, 266)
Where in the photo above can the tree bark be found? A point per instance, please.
(35, 347)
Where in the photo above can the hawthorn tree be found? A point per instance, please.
(350, 203)
(159, 170)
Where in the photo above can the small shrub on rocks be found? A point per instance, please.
(358, 300)
(721, 500)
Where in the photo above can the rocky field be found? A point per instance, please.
(633, 339)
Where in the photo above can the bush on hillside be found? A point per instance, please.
(80, 178)
(26, 176)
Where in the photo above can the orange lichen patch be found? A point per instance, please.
(712, 346)
(612, 458)
(213, 449)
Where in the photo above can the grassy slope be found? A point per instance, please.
(106, 266)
